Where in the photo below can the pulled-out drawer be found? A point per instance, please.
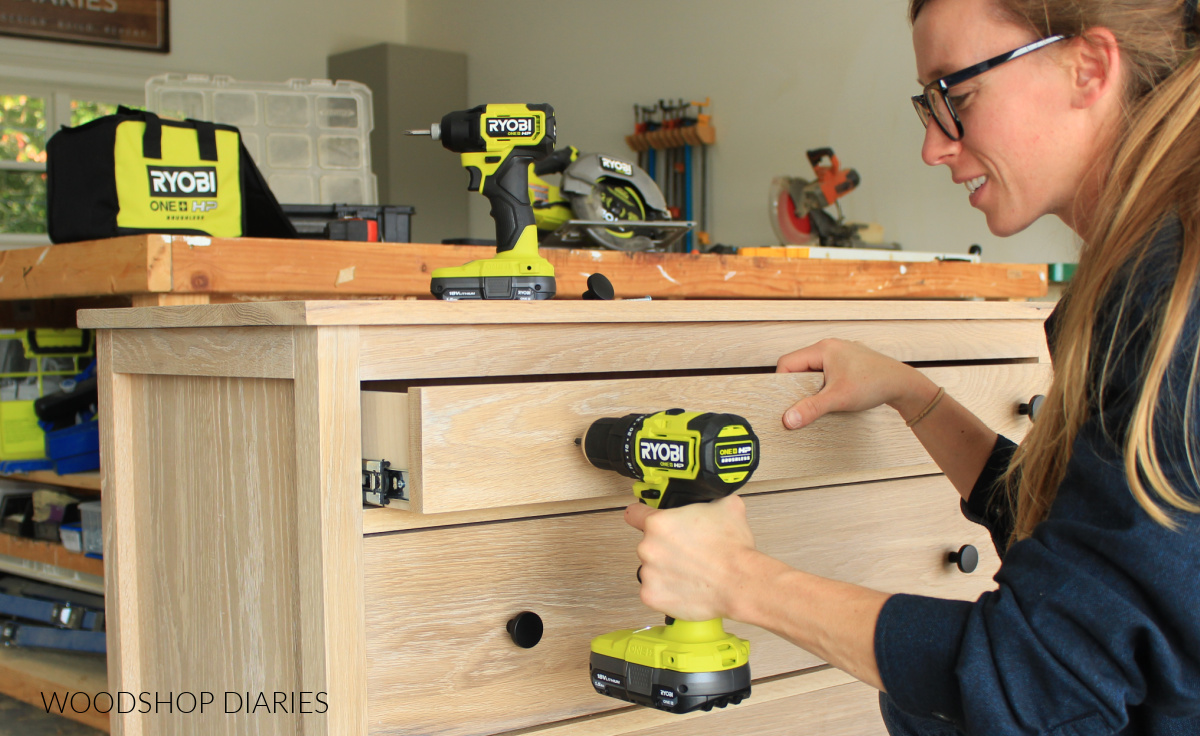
(508, 444)
(439, 657)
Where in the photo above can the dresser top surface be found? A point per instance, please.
(430, 312)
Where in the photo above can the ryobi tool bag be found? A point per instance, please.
(134, 172)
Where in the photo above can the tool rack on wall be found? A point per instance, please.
(671, 139)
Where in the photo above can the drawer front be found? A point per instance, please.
(845, 710)
(824, 701)
(501, 445)
(439, 658)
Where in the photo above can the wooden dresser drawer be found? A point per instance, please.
(439, 658)
(500, 445)
(822, 701)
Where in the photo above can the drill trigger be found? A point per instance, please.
(476, 178)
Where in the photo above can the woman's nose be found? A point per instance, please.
(937, 146)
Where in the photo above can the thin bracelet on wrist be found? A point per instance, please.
(928, 408)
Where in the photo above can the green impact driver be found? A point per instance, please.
(498, 143)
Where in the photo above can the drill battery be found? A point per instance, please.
(659, 667)
(361, 222)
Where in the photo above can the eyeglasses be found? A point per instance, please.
(934, 100)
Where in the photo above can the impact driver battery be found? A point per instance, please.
(525, 288)
(674, 692)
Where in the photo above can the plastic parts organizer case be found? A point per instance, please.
(310, 139)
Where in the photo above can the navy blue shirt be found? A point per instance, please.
(1094, 627)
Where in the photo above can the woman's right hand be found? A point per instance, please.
(856, 379)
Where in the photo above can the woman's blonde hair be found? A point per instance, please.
(1154, 172)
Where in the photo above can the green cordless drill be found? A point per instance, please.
(498, 143)
(676, 458)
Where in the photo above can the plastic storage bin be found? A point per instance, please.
(310, 139)
(71, 536)
(93, 532)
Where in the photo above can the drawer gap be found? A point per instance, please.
(969, 363)
(455, 519)
(405, 385)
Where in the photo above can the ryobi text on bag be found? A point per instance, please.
(176, 181)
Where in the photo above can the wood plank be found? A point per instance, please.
(33, 675)
(120, 463)
(454, 589)
(159, 299)
(385, 428)
(213, 549)
(242, 352)
(332, 645)
(200, 315)
(313, 266)
(654, 311)
(50, 553)
(465, 351)
(127, 265)
(80, 481)
(509, 444)
(629, 720)
(428, 312)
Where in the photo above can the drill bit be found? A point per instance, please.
(434, 131)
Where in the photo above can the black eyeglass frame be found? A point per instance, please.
(942, 86)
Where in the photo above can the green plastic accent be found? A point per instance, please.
(1061, 273)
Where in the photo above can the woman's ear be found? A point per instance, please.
(1094, 63)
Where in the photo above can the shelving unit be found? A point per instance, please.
(75, 481)
(28, 674)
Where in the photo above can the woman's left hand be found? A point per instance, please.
(692, 557)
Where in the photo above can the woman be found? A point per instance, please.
(1086, 110)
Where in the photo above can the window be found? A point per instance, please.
(27, 120)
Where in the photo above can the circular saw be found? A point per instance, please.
(597, 189)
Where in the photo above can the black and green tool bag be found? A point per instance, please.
(134, 172)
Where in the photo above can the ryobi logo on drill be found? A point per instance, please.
(175, 181)
(512, 127)
(664, 453)
(616, 165)
(734, 454)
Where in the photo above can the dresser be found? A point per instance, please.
(243, 568)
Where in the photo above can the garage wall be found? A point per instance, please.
(251, 40)
(784, 76)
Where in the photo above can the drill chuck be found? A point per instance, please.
(606, 444)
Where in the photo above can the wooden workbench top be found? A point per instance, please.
(156, 270)
(314, 313)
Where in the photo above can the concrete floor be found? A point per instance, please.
(22, 719)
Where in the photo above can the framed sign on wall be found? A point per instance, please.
(129, 24)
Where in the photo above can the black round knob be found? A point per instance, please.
(525, 629)
(599, 287)
(1033, 408)
(975, 250)
(967, 558)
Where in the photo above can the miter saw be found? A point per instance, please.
(596, 192)
(798, 206)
